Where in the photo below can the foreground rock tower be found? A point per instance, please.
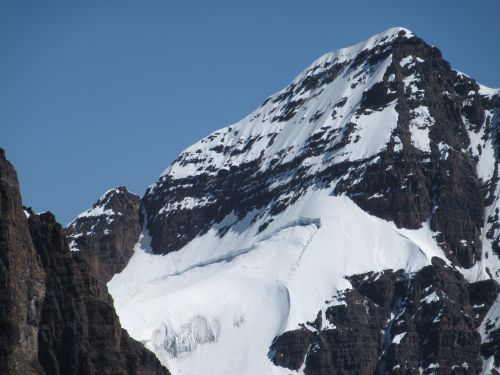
(56, 316)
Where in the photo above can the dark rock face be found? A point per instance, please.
(106, 234)
(396, 323)
(79, 330)
(22, 281)
(56, 315)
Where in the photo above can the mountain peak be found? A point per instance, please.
(346, 53)
(336, 80)
(354, 110)
(383, 37)
(395, 31)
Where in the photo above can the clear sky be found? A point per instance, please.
(96, 94)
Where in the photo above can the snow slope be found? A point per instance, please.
(217, 304)
(347, 88)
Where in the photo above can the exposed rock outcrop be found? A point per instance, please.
(56, 316)
(394, 323)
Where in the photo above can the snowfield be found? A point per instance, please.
(216, 305)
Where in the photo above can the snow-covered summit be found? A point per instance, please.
(348, 53)
(334, 83)
(345, 110)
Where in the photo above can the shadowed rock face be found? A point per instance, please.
(395, 323)
(106, 234)
(22, 281)
(56, 316)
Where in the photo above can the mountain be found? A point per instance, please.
(350, 225)
(56, 316)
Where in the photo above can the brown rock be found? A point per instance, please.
(56, 316)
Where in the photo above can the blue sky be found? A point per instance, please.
(96, 94)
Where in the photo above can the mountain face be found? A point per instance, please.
(350, 225)
(381, 123)
(56, 316)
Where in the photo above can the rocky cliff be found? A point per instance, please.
(56, 316)
(394, 323)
